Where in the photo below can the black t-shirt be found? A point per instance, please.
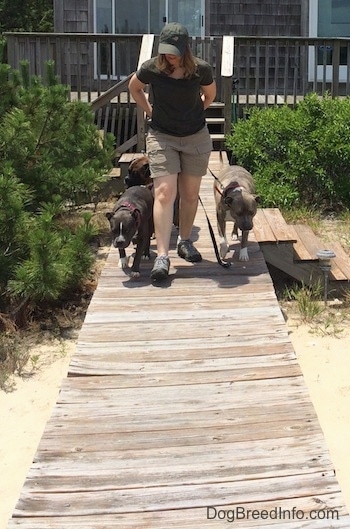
(177, 106)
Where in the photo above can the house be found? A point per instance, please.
(203, 18)
(283, 49)
(294, 18)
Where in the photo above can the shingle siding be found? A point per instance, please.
(73, 16)
(252, 18)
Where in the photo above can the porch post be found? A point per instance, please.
(227, 74)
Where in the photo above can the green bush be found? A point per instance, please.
(52, 159)
(299, 157)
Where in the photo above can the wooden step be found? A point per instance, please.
(342, 260)
(299, 258)
(215, 121)
(217, 137)
(270, 227)
(307, 246)
(125, 160)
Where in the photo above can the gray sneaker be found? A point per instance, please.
(187, 251)
(160, 268)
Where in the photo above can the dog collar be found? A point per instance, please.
(234, 186)
(134, 212)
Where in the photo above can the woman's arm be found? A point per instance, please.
(208, 94)
(136, 89)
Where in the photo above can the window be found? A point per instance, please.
(149, 16)
(329, 18)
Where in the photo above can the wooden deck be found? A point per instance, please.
(179, 398)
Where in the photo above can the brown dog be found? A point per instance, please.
(235, 199)
(139, 173)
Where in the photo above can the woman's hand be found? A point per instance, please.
(208, 94)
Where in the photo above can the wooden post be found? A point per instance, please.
(335, 68)
(145, 54)
(227, 75)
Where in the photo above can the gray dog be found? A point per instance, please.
(132, 221)
(235, 199)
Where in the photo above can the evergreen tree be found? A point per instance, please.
(51, 159)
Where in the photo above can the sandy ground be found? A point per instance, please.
(324, 361)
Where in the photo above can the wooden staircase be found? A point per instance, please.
(216, 124)
(292, 248)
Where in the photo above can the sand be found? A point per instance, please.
(24, 412)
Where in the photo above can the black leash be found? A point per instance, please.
(221, 262)
(216, 178)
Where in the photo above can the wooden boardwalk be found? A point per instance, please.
(184, 405)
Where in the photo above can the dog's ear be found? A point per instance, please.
(147, 171)
(109, 215)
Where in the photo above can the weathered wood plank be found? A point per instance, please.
(149, 499)
(262, 229)
(163, 350)
(279, 514)
(341, 259)
(278, 225)
(314, 244)
(195, 464)
(158, 433)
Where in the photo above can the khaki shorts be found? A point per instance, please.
(172, 154)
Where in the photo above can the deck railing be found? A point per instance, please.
(267, 70)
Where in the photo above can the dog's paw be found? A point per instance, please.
(134, 275)
(224, 248)
(123, 262)
(243, 254)
(146, 257)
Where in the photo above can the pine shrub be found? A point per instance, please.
(52, 159)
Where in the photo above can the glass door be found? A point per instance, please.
(190, 13)
(148, 16)
(329, 19)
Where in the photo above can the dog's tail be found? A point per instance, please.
(223, 161)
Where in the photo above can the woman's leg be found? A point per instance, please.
(165, 190)
(189, 191)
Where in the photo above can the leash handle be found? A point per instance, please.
(225, 264)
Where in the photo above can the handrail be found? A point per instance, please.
(110, 94)
(105, 98)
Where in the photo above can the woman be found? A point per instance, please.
(178, 142)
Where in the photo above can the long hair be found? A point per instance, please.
(188, 62)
